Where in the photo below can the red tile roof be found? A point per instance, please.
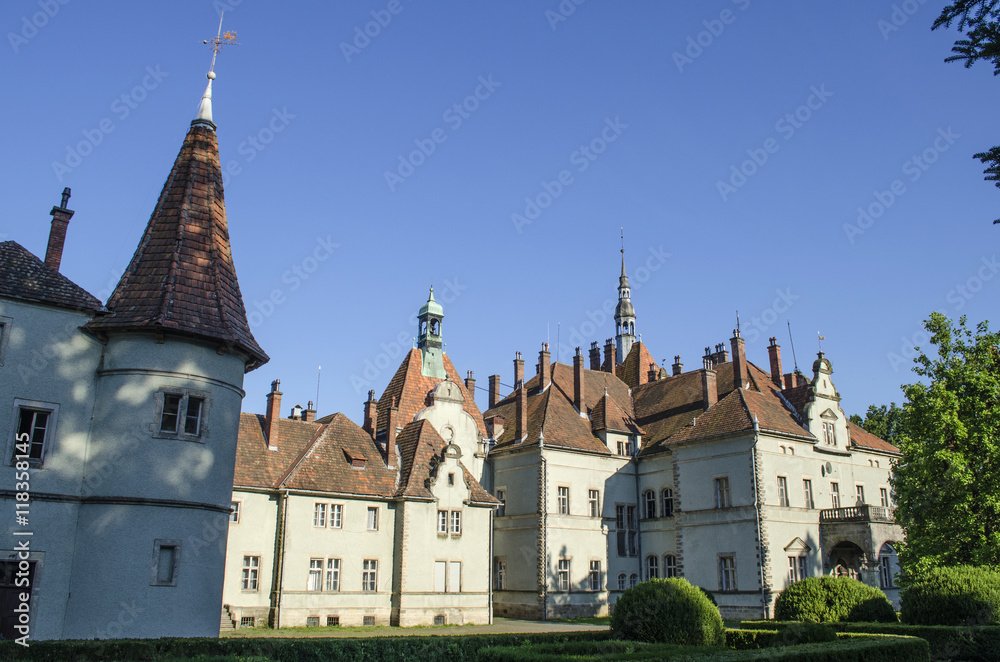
(24, 276)
(421, 449)
(181, 277)
(634, 370)
(862, 438)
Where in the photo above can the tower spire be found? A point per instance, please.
(218, 42)
(624, 313)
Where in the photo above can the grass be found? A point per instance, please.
(585, 620)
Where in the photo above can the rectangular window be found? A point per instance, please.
(669, 566)
(166, 561)
(722, 499)
(319, 514)
(595, 576)
(312, 621)
(333, 574)
(727, 573)
(182, 413)
(652, 567)
(861, 495)
(443, 522)
(802, 568)
(336, 515)
(885, 578)
(456, 522)
(251, 565)
(835, 495)
(455, 577)
(626, 530)
(884, 496)
(829, 433)
(315, 582)
(192, 419)
(623, 448)
(32, 428)
(782, 491)
(332, 621)
(807, 492)
(499, 573)
(440, 576)
(171, 412)
(622, 581)
(369, 575)
(793, 569)
(368, 620)
(563, 574)
(234, 512)
(248, 622)
(594, 502)
(373, 518)
(563, 500)
(667, 507)
(502, 498)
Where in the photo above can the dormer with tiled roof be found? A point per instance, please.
(181, 279)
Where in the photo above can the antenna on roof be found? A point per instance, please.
(792, 343)
(737, 321)
(558, 333)
(319, 373)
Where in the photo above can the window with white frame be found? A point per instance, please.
(669, 566)
(251, 566)
(883, 496)
(727, 573)
(319, 514)
(563, 574)
(829, 433)
(166, 561)
(667, 502)
(234, 512)
(456, 522)
(626, 530)
(796, 568)
(622, 581)
(861, 494)
(835, 495)
(502, 498)
(563, 500)
(633, 580)
(333, 574)
(34, 432)
(594, 502)
(182, 413)
(315, 581)
(722, 498)
(499, 573)
(455, 577)
(648, 504)
(807, 493)
(336, 515)
(595, 575)
(373, 518)
(782, 491)
(442, 522)
(369, 575)
(652, 567)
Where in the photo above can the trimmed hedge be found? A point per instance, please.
(829, 599)
(961, 595)
(667, 611)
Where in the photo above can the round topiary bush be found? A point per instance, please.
(830, 599)
(960, 595)
(804, 633)
(668, 611)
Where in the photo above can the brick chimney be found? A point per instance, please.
(521, 416)
(774, 353)
(544, 367)
(709, 385)
(470, 385)
(678, 367)
(595, 356)
(578, 381)
(740, 371)
(494, 391)
(309, 415)
(273, 415)
(653, 373)
(392, 457)
(609, 356)
(57, 233)
(371, 415)
(518, 369)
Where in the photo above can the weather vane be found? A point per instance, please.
(820, 340)
(227, 38)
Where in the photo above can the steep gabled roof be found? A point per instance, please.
(608, 415)
(24, 276)
(256, 466)
(421, 449)
(862, 438)
(181, 277)
(634, 370)
(665, 406)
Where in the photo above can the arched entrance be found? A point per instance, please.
(846, 559)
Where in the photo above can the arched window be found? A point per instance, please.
(435, 327)
(648, 504)
(423, 328)
(621, 582)
(667, 502)
(652, 567)
(633, 580)
(669, 566)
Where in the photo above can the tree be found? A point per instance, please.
(947, 483)
(883, 422)
(979, 20)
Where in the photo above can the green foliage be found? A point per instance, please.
(670, 611)
(832, 599)
(708, 594)
(883, 422)
(962, 595)
(947, 484)
(804, 633)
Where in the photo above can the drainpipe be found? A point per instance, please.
(281, 560)
(489, 573)
(756, 508)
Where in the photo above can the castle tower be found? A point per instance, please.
(624, 317)
(429, 319)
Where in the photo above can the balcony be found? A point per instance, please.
(862, 513)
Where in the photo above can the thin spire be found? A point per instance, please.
(623, 251)
(217, 42)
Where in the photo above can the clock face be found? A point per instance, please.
(448, 433)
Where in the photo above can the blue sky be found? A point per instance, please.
(495, 149)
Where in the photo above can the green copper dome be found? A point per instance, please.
(432, 307)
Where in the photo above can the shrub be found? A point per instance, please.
(960, 595)
(804, 633)
(708, 594)
(832, 599)
(667, 611)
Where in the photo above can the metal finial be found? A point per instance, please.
(65, 198)
(219, 41)
(819, 341)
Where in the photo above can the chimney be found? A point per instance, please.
(470, 386)
(789, 380)
(544, 367)
(57, 233)
(578, 381)
(595, 356)
(609, 356)
(309, 415)
(518, 369)
(390, 436)
(721, 354)
(371, 415)
(272, 415)
(521, 421)
(709, 386)
(740, 371)
(494, 391)
(653, 372)
(296, 414)
(774, 353)
(678, 367)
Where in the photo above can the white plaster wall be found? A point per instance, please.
(253, 535)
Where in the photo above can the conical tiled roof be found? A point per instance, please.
(181, 278)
